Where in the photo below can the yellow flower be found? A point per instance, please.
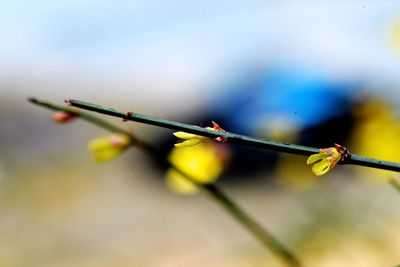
(203, 163)
(328, 158)
(108, 147)
(194, 139)
(376, 134)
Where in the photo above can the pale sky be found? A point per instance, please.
(186, 48)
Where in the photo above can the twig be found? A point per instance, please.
(232, 137)
(212, 190)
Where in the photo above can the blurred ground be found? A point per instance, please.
(63, 210)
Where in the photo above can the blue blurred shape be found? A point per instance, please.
(299, 97)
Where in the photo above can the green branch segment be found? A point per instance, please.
(231, 137)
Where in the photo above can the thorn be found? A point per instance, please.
(128, 114)
(217, 127)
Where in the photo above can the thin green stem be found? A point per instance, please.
(87, 117)
(268, 240)
(232, 137)
(214, 192)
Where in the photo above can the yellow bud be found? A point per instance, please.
(108, 147)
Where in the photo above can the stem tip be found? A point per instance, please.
(32, 99)
(68, 102)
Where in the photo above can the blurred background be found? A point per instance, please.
(307, 72)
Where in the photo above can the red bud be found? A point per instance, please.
(62, 117)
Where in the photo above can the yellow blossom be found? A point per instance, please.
(190, 139)
(108, 147)
(194, 139)
(202, 162)
(327, 157)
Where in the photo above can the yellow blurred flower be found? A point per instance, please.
(297, 176)
(395, 34)
(376, 134)
(202, 162)
(108, 147)
(326, 159)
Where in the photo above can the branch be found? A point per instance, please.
(232, 137)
